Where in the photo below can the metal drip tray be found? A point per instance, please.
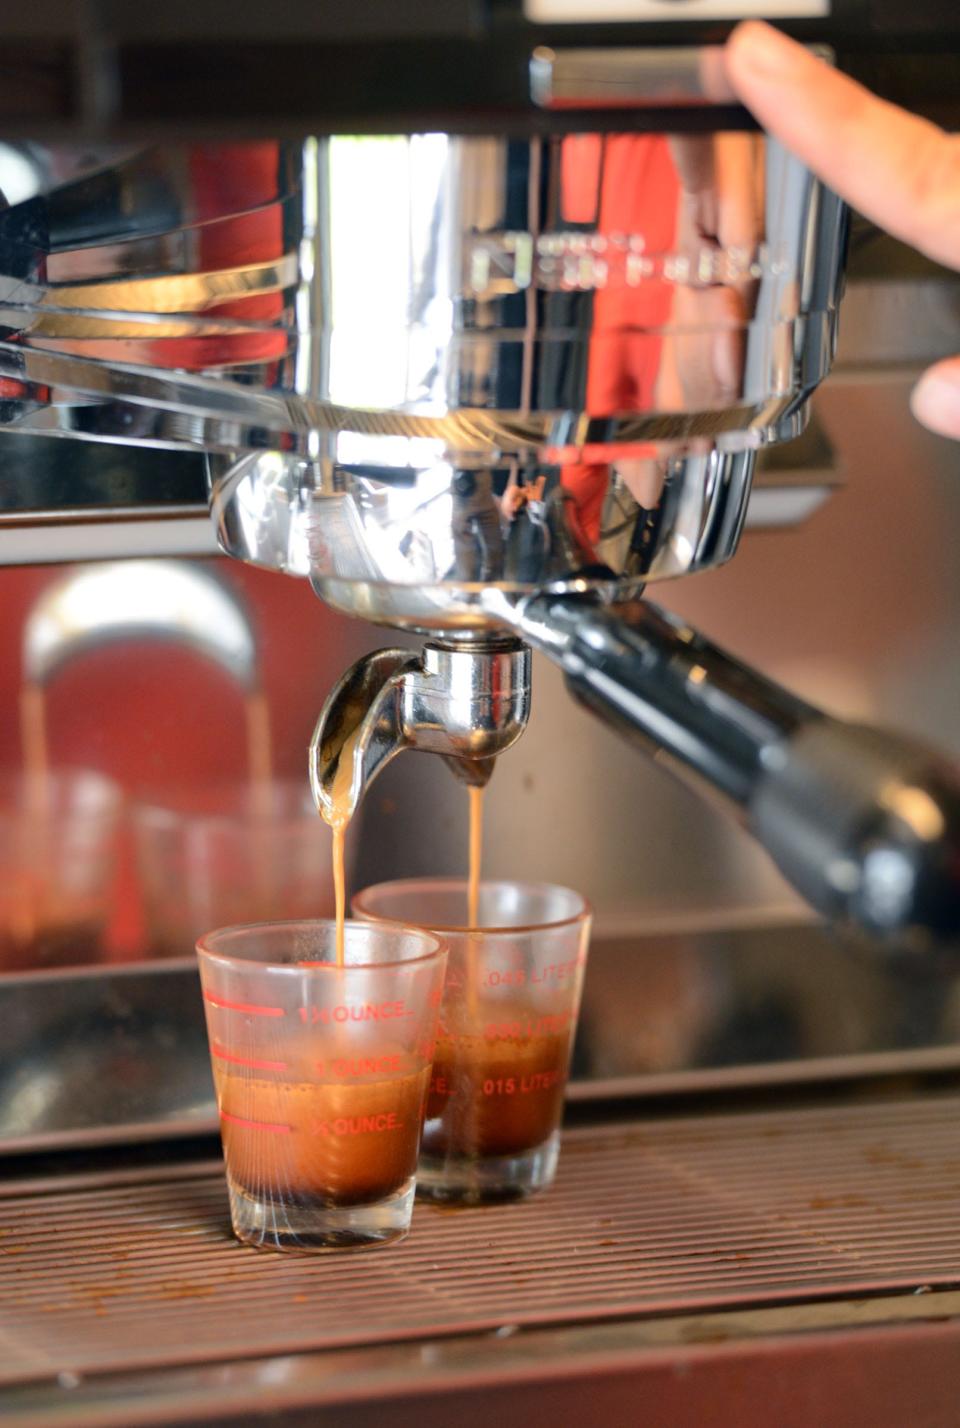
(106, 1274)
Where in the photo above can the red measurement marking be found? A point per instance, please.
(222, 1054)
(250, 1007)
(255, 1125)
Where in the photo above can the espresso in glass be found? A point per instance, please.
(321, 1069)
(314, 1145)
(507, 1024)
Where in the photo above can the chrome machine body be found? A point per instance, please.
(485, 387)
(538, 364)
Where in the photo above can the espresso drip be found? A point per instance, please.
(259, 753)
(475, 795)
(337, 816)
(34, 744)
(339, 886)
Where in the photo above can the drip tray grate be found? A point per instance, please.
(656, 1218)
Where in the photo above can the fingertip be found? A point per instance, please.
(736, 52)
(756, 50)
(743, 33)
(935, 400)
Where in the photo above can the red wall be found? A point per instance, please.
(154, 717)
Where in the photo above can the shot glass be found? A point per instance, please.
(321, 1073)
(58, 854)
(240, 856)
(506, 1030)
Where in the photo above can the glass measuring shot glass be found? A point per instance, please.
(321, 1075)
(507, 1024)
(231, 855)
(59, 838)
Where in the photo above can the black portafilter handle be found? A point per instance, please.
(864, 823)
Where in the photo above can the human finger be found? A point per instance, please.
(900, 170)
(935, 400)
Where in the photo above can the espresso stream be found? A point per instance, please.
(487, 1097)
(34, 743)
(259, 754)
(476, 853)
(337, 816)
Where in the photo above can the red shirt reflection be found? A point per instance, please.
(639, 189)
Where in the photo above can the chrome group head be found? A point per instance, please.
(546, 364)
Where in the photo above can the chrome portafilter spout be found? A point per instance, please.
(467, 702)
(864, 823)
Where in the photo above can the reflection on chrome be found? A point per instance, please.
(443, 546)
(429, 360)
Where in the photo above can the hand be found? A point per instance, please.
(897, 169)
(513, 500)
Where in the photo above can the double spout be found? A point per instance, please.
(467, 702)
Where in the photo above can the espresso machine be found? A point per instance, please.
(495, 349)
(498, 431)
